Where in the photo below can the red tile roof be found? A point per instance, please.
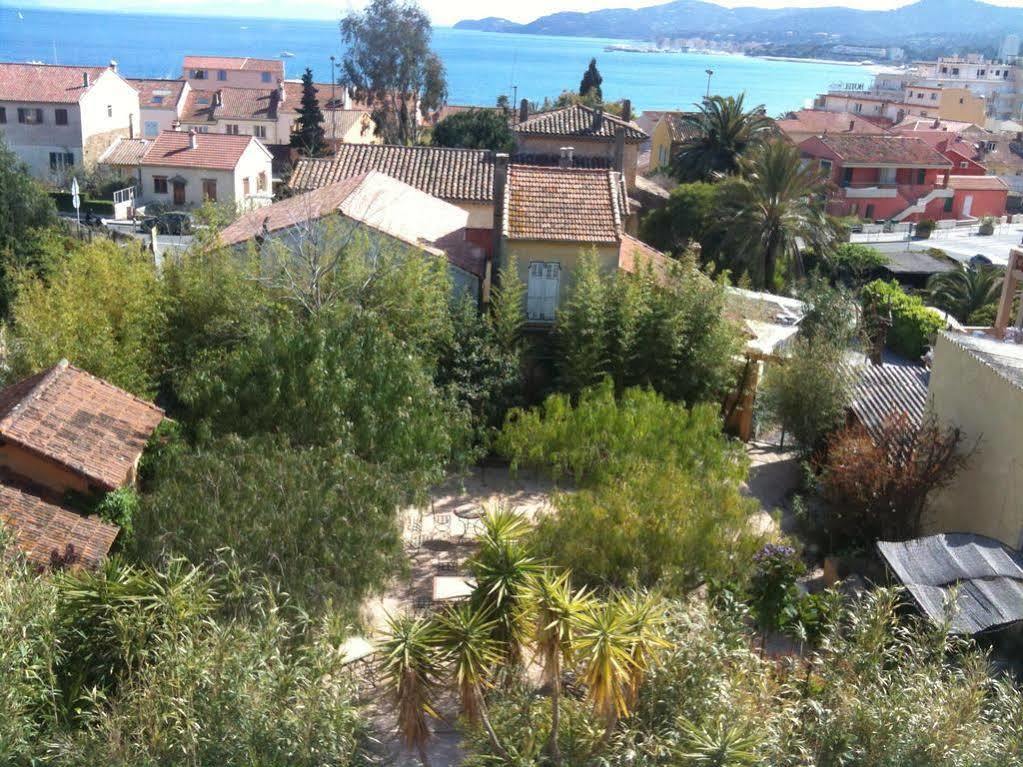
(236, 64)
(293, 96)
(579, 122)
(819, 121)
(215, 151)
(978, 183)
(634, 255)
(81, 422)
(45, 83)
(902, 151)
(461, 175)
(125, 151)
(158, 94)
(564, 205)
(681, 129)
(42, 526)
(236, 103)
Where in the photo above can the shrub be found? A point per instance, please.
(913, 325)
(64, 203)
(851, 263)
(119, 507)
(987, 227)
(923, 229)
(773, 594)
(831, 315)
(878, 485)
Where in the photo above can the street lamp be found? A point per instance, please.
(333, 103)
(710, 74)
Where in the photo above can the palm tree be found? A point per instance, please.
(966, 290)
(724, 131)
(645, 616)
(411, 668)
(778, 203)
(554, 611)
(503, 567)
(467, 636)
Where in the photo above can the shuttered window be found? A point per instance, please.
(542, 291)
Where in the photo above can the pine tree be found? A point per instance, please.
(308, 134)
(592, 80)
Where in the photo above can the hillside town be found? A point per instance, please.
(340, 424)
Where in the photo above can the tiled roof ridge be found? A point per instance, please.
(151, 405)
(614, 200)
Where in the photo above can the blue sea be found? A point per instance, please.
(480, 65)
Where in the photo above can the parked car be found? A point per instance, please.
(169, 223)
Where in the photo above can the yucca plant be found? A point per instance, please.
(554, 610)
(719, 744)
(644, 613)
(502, 568)
(412, 666)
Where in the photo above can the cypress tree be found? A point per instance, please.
(308, 134)
(591, 82)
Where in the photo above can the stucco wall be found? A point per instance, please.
(255, 160)
(235, 79)
(109, 110)
(660, 145)
(566, 254)
(43, 472)
(987, 496)
(193, 178)
(33, 143)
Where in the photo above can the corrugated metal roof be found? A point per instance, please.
(889, 389)
(985, 577)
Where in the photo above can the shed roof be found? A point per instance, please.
(579, 121)
(81, 422)
(985, 577)
(463, 175)
(882, 391)
(126, 151)
(564, 205)
(916, 262)
(42, 526)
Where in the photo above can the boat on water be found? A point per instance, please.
(287, 55)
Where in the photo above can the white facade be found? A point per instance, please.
(248, 185)
(52, 138)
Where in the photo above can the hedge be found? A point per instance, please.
(98, 207)
(913, 324)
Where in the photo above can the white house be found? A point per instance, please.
(210, 72)
(58, 117)
(185, 169)
(161, 103)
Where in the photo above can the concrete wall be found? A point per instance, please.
(109, 110)
(987, 496)
(983, 202)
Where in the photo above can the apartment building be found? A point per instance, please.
(211, 72)
(55, 118)
(997, 81)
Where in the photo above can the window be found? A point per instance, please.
(934, 97)
(3, 115)
(152, 128)
(964, 164)
(209, 189)
(246, 188)
(955, 71)
(920, 95)
(30, 116)
(826, 167)
(982, 72)
(60, 116)
(231, 130)
(157, 100)
(847, 176)
(858, 107)
(221, 74)
(198, 74)
(202, 128)
(921, 176)
(266, 77)
(261, 182)
(159, 185)
(259, 131)
(944, 70)
(61, 160)
(110, 110)
(869, 213)
(542, 291)
(205, 100)
(948, 204)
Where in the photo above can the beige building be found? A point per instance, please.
(212, 72)
(944, 103)
(161, 103)
(184, 169)
(580, 136)
(55, 118)
(670, 132)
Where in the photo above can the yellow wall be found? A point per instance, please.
(961, 105)
(660, 145)
(566, 254)
(43, 472)
(987, 496)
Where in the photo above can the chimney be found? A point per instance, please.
(193, 140)
(523, 110)
(598, 119)
(176, 125)
(627, 110)
(571, 156)
(500, 192)
(218, 98)
(620, 150)
(113, 65)
(85, 79)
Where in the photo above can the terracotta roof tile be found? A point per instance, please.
(158, 94)
(217, 151)
(579, 122)
(293, 96)
(564, 205)
(820, 121)
(884, 150)
(236, 103)
(126, 151)
(978, 183)
(679, 127)
(45, 83)
(41, 525)
(462, 175)
(77, 420)
(236, 64)
(634, 255)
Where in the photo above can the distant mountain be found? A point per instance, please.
(693, 18)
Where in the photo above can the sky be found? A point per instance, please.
(443, 12)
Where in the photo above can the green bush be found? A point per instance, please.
(913, 324)
(119, 507)
(923, 229)
(63, 201)
(987, 227)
